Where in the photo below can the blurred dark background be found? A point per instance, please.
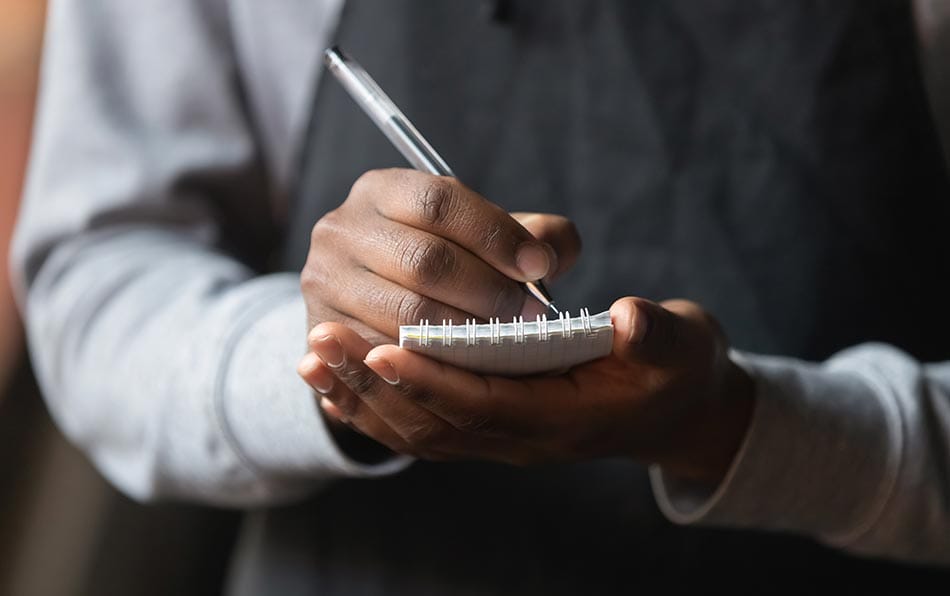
(63, 529)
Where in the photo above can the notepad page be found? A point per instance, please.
(513, 349)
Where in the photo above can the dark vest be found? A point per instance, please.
(775, 161)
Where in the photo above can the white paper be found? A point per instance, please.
(513, 349)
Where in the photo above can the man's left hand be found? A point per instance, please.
(667, 394)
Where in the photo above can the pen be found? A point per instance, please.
(400, 132)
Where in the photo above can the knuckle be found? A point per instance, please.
(425, 435)
(312, 280)
(362, 382)
(476, 424)
(427, 262)
(492, 239)
(320, 230)
(316, 280)
(309, 279)
(411, 307)
(329, 238)
(363, 184)
(423, 397)
(435, 201)
(348, 405)
(328, 227)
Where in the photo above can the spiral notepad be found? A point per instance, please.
(516, 348)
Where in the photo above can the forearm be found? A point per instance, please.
(174, 369)
(166, 359)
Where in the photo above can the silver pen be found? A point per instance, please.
(401, 133)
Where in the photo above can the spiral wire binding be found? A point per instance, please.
(495, 335)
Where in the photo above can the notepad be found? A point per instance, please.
(513, 349)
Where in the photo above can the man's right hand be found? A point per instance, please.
(406, 246)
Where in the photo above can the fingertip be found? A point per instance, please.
(320, 331)
(330, 350)
(385, 351)
(409, 366)
(316, 374)
(383, 368)
(632, 319)
(534, 260)
(307, 365)
(558, 234)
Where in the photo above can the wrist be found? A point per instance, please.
(711, 437)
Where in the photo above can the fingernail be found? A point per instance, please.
(316, 376)
(533, 261)
(640, 325)
(384, 369)
(330, 350)
(307, 364)
(322, 383)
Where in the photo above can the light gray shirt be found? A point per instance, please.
(163, 122)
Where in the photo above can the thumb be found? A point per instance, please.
(559, 232)
(644, 330)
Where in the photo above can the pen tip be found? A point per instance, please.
(552, 306)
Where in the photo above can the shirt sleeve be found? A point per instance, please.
(853, 452)
(160, 348)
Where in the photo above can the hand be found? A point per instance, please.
(406, 246)
(667, 394)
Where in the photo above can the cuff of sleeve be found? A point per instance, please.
(820, 456)
(269, 413)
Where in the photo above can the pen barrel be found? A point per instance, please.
(414, 148)
(384, 113)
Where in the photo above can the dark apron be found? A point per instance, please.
(772, 160)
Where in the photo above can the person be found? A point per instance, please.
(20, 32)
(777, 164)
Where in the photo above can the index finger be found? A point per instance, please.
(489, 405)
(445, 207)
